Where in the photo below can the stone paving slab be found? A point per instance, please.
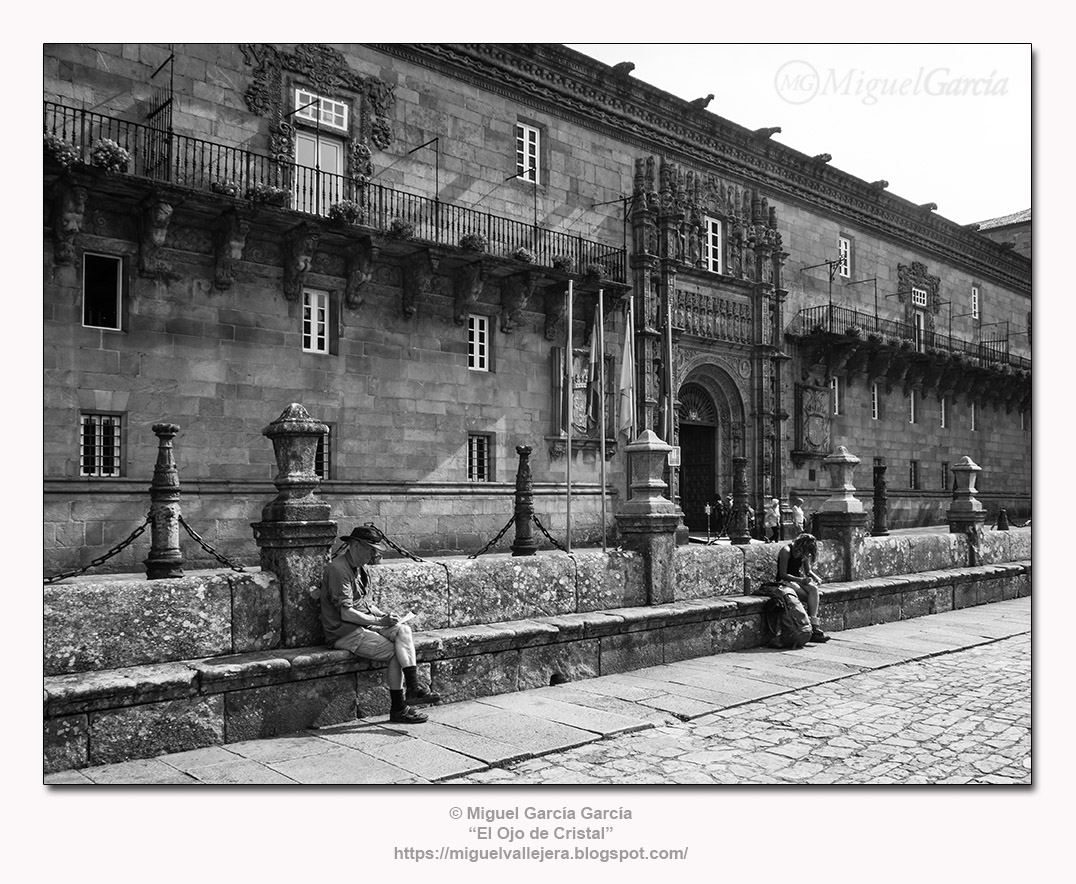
(485, 749)
(533, 735)
(274, 749)
(143, 771)
(721, 692)
(340, 765)
(573, 693)
(242, 771)
(425, 759)
(583, 717)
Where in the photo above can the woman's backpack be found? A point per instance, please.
(786, 620)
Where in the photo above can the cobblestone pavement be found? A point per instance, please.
(963, 717)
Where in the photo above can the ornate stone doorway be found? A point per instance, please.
(699, 451)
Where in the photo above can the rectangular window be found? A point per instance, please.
(919, 297)
(478, 342)
(102, 291)
(874, 402)
(1023, 420)
(320, 110)
(944, 413)
(844, 253)
(315, 321)
(835, 394)
(913, 475)
(323, 455)
(945, 476)
(912, 416)
(974, 416)
(975, 302)
(479, 458)
(100, 451)
(714, 245)
(528, 152)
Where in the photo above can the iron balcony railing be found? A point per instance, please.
(160, 155)
(839, 320)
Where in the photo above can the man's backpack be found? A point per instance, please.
(786, 621)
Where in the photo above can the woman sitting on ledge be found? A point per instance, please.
(795, 568)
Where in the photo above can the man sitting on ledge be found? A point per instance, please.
(354, 624)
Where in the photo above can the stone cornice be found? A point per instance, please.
(570, 84)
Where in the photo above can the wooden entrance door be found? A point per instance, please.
(697, 472)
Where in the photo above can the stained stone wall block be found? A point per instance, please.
(484, 675)
(66, 743)
(736, 633)
(633, 650)
(613, 580)
(421, 587)
(917, 603)
(155, 729)
(256, 611)
(285, 708)
(705, 571)
(685, 641)
(576, 660)
(112, 623)
(497, 588)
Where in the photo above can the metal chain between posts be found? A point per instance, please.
(63, 575)
(493, 542)
(208, 548)
(551, 538)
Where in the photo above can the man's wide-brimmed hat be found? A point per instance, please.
(367, 534)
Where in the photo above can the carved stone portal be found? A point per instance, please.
(298, 256)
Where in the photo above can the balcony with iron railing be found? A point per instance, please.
(184, 161)
(833, 320)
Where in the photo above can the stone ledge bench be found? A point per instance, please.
(105, 716)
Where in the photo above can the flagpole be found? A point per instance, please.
(570, 368)
(601, 403)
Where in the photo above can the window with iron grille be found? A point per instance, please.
(528, 152)
(913, 475)
(100, 447)
(714, 243)
(478, 342)
(102, 291)
(835, 394)
(480, 457)
(844, 253)
(974, 416)
(913, 417)
(944, 412)
(874, 402)
(320, 110)
(945, 476)
(323, 455)
(315, 321)
(975, 302)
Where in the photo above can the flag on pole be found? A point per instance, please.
(627, 378)
(594, 391)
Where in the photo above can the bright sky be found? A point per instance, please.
(970, 154)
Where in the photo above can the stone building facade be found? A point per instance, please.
(385, 233)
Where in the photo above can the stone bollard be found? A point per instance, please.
(648, 521)
(966, 514)
(524, 544)
(842, 517)
(295, 533)
(881, 503)
(165, 557)
(1003, 520)
(739, 532)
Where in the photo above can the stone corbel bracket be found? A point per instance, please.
(467, 285)
(418, 271)
(299, 250)
(360, 256)
(69, 208)
(231, 239)
(156, 216)
(555, 305)
(515, 293)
